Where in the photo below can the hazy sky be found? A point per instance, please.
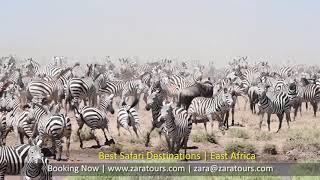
(275, 30)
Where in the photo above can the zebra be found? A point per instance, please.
(127, 116)
(36, 165)
(208, 107)
(253, 98)
(40, 89)
(14, 158)
(278, 104)
(178, 125)
(311, 93)
(51, 125)
(96, 118)
(154, 103)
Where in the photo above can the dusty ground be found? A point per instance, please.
(299, 143)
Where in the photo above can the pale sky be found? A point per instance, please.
(274, 30)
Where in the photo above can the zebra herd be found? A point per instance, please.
(37, 101)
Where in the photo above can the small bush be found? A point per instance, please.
(239, 133)
(270, 149)
(240, 147)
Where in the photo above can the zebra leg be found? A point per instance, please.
(205, 127)
(136, 131)
(232, 116)
(109, 135)
(280, 116)
(246, 99)
(295, 108)
(68, 146)
(315, 108)
(21, 135)
(118, 127)
(261, 120)
(95, 137)
(59, 145)
(148, 136)
(105, 136)
(288, 118)
(78, 133)
(3, 170)
(268, 120)
(226, 119)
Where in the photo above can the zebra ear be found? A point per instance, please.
(111, 96)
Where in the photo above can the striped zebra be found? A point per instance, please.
(278, 104)
(13, 160)
(17, 121)
(154, 103)
(210, 107)
(177, 125)
(80, 89)
(127, 116)
(40, 89)
(96, 118)
(311, 93)
(295, 97)
(36, 165)
(253, 98)
(52, 126)
(3, 126)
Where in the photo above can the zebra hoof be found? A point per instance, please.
(81, 146)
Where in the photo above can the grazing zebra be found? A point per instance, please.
(36, 165)
(52, 126)
(154, 103)
(208, 107)
(96, 118)
(178, 125)
(279, 104)
(14, 158)
(127, 116)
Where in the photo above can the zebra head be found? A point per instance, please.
(227, 97)
(166, 111)
(34, 154)
(151, 100)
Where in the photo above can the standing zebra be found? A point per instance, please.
(96, 118)
(178, 125)
(14, 158)
(36, 165)
(311, 94)
(278, 104)
(154, 103)
(208, 107)
(52, 126)
(128, 116)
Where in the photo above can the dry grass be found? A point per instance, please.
(243, 147)
(239, 133)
